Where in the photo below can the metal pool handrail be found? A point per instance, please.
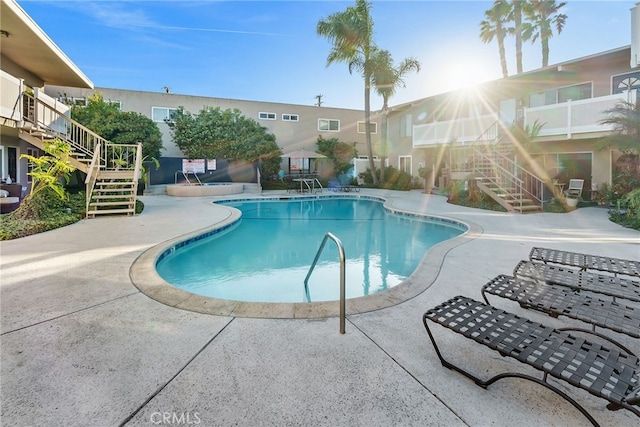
(342, 276)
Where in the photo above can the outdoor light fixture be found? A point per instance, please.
(4, 33)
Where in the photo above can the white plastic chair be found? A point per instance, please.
(575, 188)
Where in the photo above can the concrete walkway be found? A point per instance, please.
(81, 346)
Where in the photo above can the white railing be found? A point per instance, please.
(574, 117)
(10, 97)
(564, 119)
(461, 130)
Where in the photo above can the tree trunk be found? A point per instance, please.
(367, 124)
(383, 139)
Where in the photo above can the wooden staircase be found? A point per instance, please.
(113, 170)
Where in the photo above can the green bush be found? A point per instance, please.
(52, 212)
(41, 212)
(394, 179)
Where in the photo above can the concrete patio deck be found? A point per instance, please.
(82, 346)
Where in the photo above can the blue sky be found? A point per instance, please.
(269, 50)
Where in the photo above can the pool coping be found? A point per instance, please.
(144, 276)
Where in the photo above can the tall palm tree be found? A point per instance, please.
(351, 33)
(495, 26)
(515, 16)
(386, 79)
(543, 15)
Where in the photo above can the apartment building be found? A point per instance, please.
(295, 126)
(29, 60)
(565, 102)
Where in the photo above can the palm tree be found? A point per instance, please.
(494, 26)
(351, 33)
(386, 79)
(515, 16)
(543, 15)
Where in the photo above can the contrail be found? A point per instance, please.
(212, 30)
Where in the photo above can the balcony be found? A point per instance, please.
(17, 111)
(563, 121)
(569, 118)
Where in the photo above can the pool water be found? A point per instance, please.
(267, 256)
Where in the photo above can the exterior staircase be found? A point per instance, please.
(501, 178)
(113, 170)
(513, 187)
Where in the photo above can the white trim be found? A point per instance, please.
(290, 117)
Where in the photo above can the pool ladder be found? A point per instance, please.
(342, 276)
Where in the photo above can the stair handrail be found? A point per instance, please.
(138, 174)
(92, 175)
(533, 185)
(490, 134)
(496, 168)
(342, 276)
(81, 138)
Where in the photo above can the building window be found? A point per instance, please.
(290, 118)
(329, 125)
(162, 114)
(625, 82)
(116, 103)
(80, 101)
(404, 164)
(267, 116)
(563, 94)
(362, 128)
(406, 125)
(575, 92)
(33, 152)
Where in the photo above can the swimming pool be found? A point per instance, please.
(266, 256)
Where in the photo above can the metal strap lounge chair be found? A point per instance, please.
(561, 301)
(603, 372)
(586, 261)
(613, 286)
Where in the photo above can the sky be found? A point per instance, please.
(270, 51)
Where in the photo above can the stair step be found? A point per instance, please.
(111, 211)
(111, 196)
(106, 204)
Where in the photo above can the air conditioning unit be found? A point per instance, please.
(635, 36)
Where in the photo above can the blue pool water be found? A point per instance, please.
(266, 257)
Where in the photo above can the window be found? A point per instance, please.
(162, 114)
(404, 164)
(575, 92)
(80, 102)
(625, 82)
(34, 152)
(267, 116)
(406, 125)
(563, 94)
(362, 128)
(290, 118)
(116, 103)
(329, 125)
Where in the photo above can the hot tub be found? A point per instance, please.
(208, 189)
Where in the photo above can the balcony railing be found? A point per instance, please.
(575, 117)
(562, 120)
(461, 130)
